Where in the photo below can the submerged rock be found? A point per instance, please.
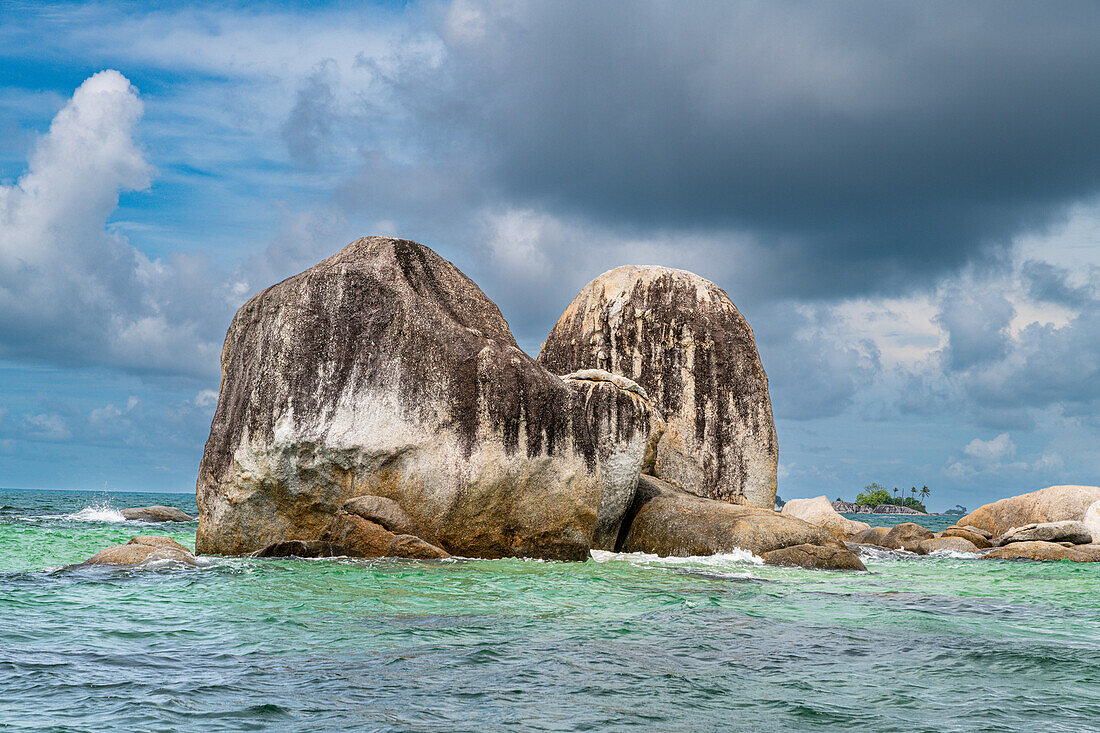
(815, 556)
(906, 536)
(140, 550)
(820, 513)
(385, 371)
(300, 548)
(682, 339)
(668, 521)
(157, 513)
(1052, 504)
(1076, 533)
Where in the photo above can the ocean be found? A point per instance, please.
(621, 642)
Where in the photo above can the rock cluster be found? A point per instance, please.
(1067, 539)
(377, 405)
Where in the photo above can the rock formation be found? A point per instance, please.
(955, 544)
(1075, 533)
(681, 338)
(668, 521)
(626, 428)
(141, 550)
(1052, 504)
(906, 536)
(157, 513)
(1092, 520)
(385, 371)
(819, 512)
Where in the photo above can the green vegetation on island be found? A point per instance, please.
(875, 495)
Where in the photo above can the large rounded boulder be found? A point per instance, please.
(682, 339)
(1052, 504)
(384, 371)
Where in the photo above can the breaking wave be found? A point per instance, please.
(101, 512)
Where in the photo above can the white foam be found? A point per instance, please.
(101, 512)
(737, 557)
(955, 554)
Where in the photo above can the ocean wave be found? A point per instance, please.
(737, 557)
(101, 512)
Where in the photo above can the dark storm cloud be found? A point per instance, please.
(864, 146)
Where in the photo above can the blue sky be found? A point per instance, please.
(903, 199)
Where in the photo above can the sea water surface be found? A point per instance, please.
(621, 642)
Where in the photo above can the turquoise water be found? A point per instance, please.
(627, 642)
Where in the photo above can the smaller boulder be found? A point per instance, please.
(1065, 531)
(412, 547)
(1042, 551)
(157, 513)
(872, 536)
(357, 536)
(140, 550)
(979, 541)
(955, 544)
(387, 513)
(906, 536)
(820, 512)
(814, 556)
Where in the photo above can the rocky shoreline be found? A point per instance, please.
(1052, 524)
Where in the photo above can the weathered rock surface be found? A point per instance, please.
(1044, 551)
(820, 513)
(815, 556)
(1092, 520)
(385, 512)
(956, 544)
(140, 550)
(385, 371)
(667, 521)
(872, 536)
(1052, 504)
(357, 537)
(1076, 533)
(681, 338)
(906, 536)
(976, 530)
(978, 540)
(157, 513)
(626, 428)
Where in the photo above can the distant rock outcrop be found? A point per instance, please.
(157, 513)
(1052, 504)
(895, 509)
(682, 339)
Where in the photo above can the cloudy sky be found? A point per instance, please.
(902, 198)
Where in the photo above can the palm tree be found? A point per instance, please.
(924, 492)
